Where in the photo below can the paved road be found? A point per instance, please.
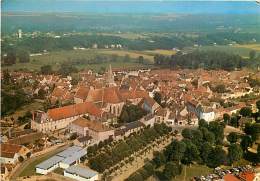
(18, 170)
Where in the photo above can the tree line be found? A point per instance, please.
(204, 59)
(117, 151)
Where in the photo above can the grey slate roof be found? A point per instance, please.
(69, 151)
(75, 157)
(50, 162)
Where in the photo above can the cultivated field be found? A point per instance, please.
(82, 59)
(242, 50)
(255, 47)
(162, 52)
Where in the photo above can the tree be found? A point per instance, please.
(149, 167)
(226, 118)
(124, 117)
(245, 111)
(46, 69)
(203, 123)
(7, 79)
(191, 153)
(159, 158)
(41, 93)
(232, 137)
(246, 142)
(253, 130)
(23, 56)
(186, 133)
(258, 105)
(175, 151)
(10, 58)
(205, 150)
(171, 169)
(127, 58)
(234, 121)
(218, 130)
(216, 157)
(28, 155)
(235, 153)
(141, 59)
(135, 177)
(258, 153)
(252, 54)
(21, 159)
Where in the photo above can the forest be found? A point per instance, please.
(207, 60)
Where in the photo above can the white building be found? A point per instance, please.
(81, 173)
(70, 156)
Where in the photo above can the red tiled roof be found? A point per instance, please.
(57, 92)
(93, 125)
(82, 93)
(74, 110)
(9, 150)
(230, 177)
(105, 95)
(247, 176)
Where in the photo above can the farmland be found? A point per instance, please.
(242, 50)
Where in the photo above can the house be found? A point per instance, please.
(81, 95)
(83, 141)
(230, 177)
(61, 95)
(11, 152)
(148, 120)
(60, 118)
(249, 176)
(81, 173)
(206, 113)
(132, 127)
(149, 104)
(4, 172)
(94, 129)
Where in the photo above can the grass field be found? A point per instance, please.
(162, 52)
(242, 50)
(132, 54)
(255, 47)
(192, 171)
(82, 57)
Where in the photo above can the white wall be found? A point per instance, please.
(76, 177)
(44, 172)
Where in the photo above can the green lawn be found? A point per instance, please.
(30, 169)
(193, 170)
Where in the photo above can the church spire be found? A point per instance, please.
(110, 77)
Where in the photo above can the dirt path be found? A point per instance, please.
(139, 162)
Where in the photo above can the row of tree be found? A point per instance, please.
(12, 56)
(124, 148)
(203, 59)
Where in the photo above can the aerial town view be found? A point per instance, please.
(127, 90)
